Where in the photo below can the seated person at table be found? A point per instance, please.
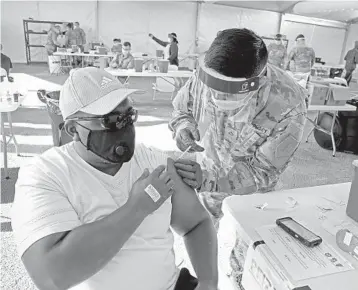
(117, 46)
(6, 64)
(125, 59)
(98, 213)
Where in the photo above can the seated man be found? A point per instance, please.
(6, 64)
(248, 115)
(125, 59)
(96, 213)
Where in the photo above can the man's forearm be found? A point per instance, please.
(201, 244)
(88, 248)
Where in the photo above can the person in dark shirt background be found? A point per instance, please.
(6, 64)
(171, 47)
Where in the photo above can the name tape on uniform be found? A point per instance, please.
(152, 192)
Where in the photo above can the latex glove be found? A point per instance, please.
(190, 171)
(186, 137)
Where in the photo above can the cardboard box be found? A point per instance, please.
(338, 95)
(353, 195)
(261, 272)
(318, 93)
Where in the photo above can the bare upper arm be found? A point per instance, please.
(187, 211)
(36, 260)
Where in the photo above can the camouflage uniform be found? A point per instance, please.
(277, 54)
(304, 58)
(351, 59)
(246, 149)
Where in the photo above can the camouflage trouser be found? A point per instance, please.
(213, 203)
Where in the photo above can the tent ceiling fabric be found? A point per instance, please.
(343, 11)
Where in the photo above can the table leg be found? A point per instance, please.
(12, 133)
(309, 134)
(332, 135)
(4, 144)
(83, 61)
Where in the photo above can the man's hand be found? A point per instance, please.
(190, 171)
(114, 65)
(186, 137)
(160, 180)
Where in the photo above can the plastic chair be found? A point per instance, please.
(51, 99)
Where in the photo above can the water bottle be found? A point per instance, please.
(16, 97)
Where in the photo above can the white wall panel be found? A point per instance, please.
(133, 21)
(12, 33)
(13, 12)
(218, 17)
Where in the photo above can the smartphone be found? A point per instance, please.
(298, 231)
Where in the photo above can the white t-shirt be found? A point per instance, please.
(59, 191)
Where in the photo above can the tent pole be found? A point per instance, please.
(279, 23)
(344, 46)
(97, 20)
(197, 23)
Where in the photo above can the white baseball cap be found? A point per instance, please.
(92, 91)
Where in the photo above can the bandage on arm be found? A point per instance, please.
(152, 192)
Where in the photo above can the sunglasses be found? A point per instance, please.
(113, 120)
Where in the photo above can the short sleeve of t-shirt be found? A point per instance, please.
(149, 156)
(40, 208)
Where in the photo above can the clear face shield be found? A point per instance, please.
(301, 42)
(228, 93)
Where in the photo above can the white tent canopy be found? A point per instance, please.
(344, 11)
(328, 26)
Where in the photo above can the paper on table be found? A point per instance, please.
(299, 261)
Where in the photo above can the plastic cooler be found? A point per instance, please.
(163, 66)
(138, 64)
(159, 53)
(54, 64)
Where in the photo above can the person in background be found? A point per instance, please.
(277, 52)
(351, 59)
(244, 117)
(171, 51)
(117, 45)
(71, 37)
(52, 42)
(80, 35)
(6, 64)
(98, 213)
(124, 59)
(304, 57)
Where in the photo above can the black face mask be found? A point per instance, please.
(114, 145)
